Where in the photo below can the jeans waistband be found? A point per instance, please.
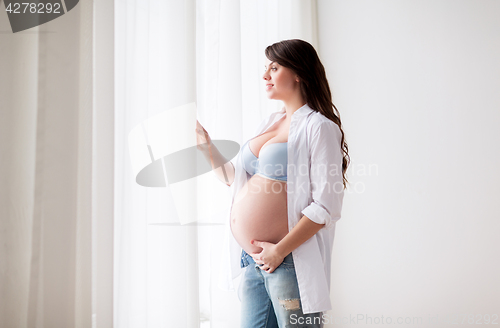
(247, 259)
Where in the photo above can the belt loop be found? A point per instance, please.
(243, 260)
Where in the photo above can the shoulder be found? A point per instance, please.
(320, 123)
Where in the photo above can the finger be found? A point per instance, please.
(258, 261)
(255, 255)
(256, 242)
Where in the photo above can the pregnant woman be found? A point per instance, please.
(287, 185)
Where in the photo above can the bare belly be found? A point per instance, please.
(259, 212)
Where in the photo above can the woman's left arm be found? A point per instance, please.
(327, 196)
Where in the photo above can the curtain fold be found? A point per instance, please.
(82, 243)
(169, 54)
(56, 164)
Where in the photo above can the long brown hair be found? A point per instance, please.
(301, 57)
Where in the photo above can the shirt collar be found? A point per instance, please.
(304, 110)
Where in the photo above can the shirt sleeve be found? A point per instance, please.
(234, 177)
(326, 175)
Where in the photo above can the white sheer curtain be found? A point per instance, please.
(171, 53)
(56, 170)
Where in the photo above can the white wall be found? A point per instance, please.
(417, 85)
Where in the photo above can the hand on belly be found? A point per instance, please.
(259, 212)
(269, 258)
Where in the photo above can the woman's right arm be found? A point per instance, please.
(224, 169)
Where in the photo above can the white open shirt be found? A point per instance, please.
(315, 190)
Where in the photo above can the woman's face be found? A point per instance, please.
(282, 80)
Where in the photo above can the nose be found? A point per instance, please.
(266, 76)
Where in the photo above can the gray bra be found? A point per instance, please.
(271, 163)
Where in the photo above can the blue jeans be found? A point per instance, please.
(272, 299)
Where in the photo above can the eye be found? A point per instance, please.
(274, 68)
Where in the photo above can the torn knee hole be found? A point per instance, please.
(290, 304)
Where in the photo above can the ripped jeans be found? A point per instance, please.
(272, 299)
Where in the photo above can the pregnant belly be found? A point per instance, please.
(259, 212)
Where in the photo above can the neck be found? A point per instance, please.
(291, 107)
